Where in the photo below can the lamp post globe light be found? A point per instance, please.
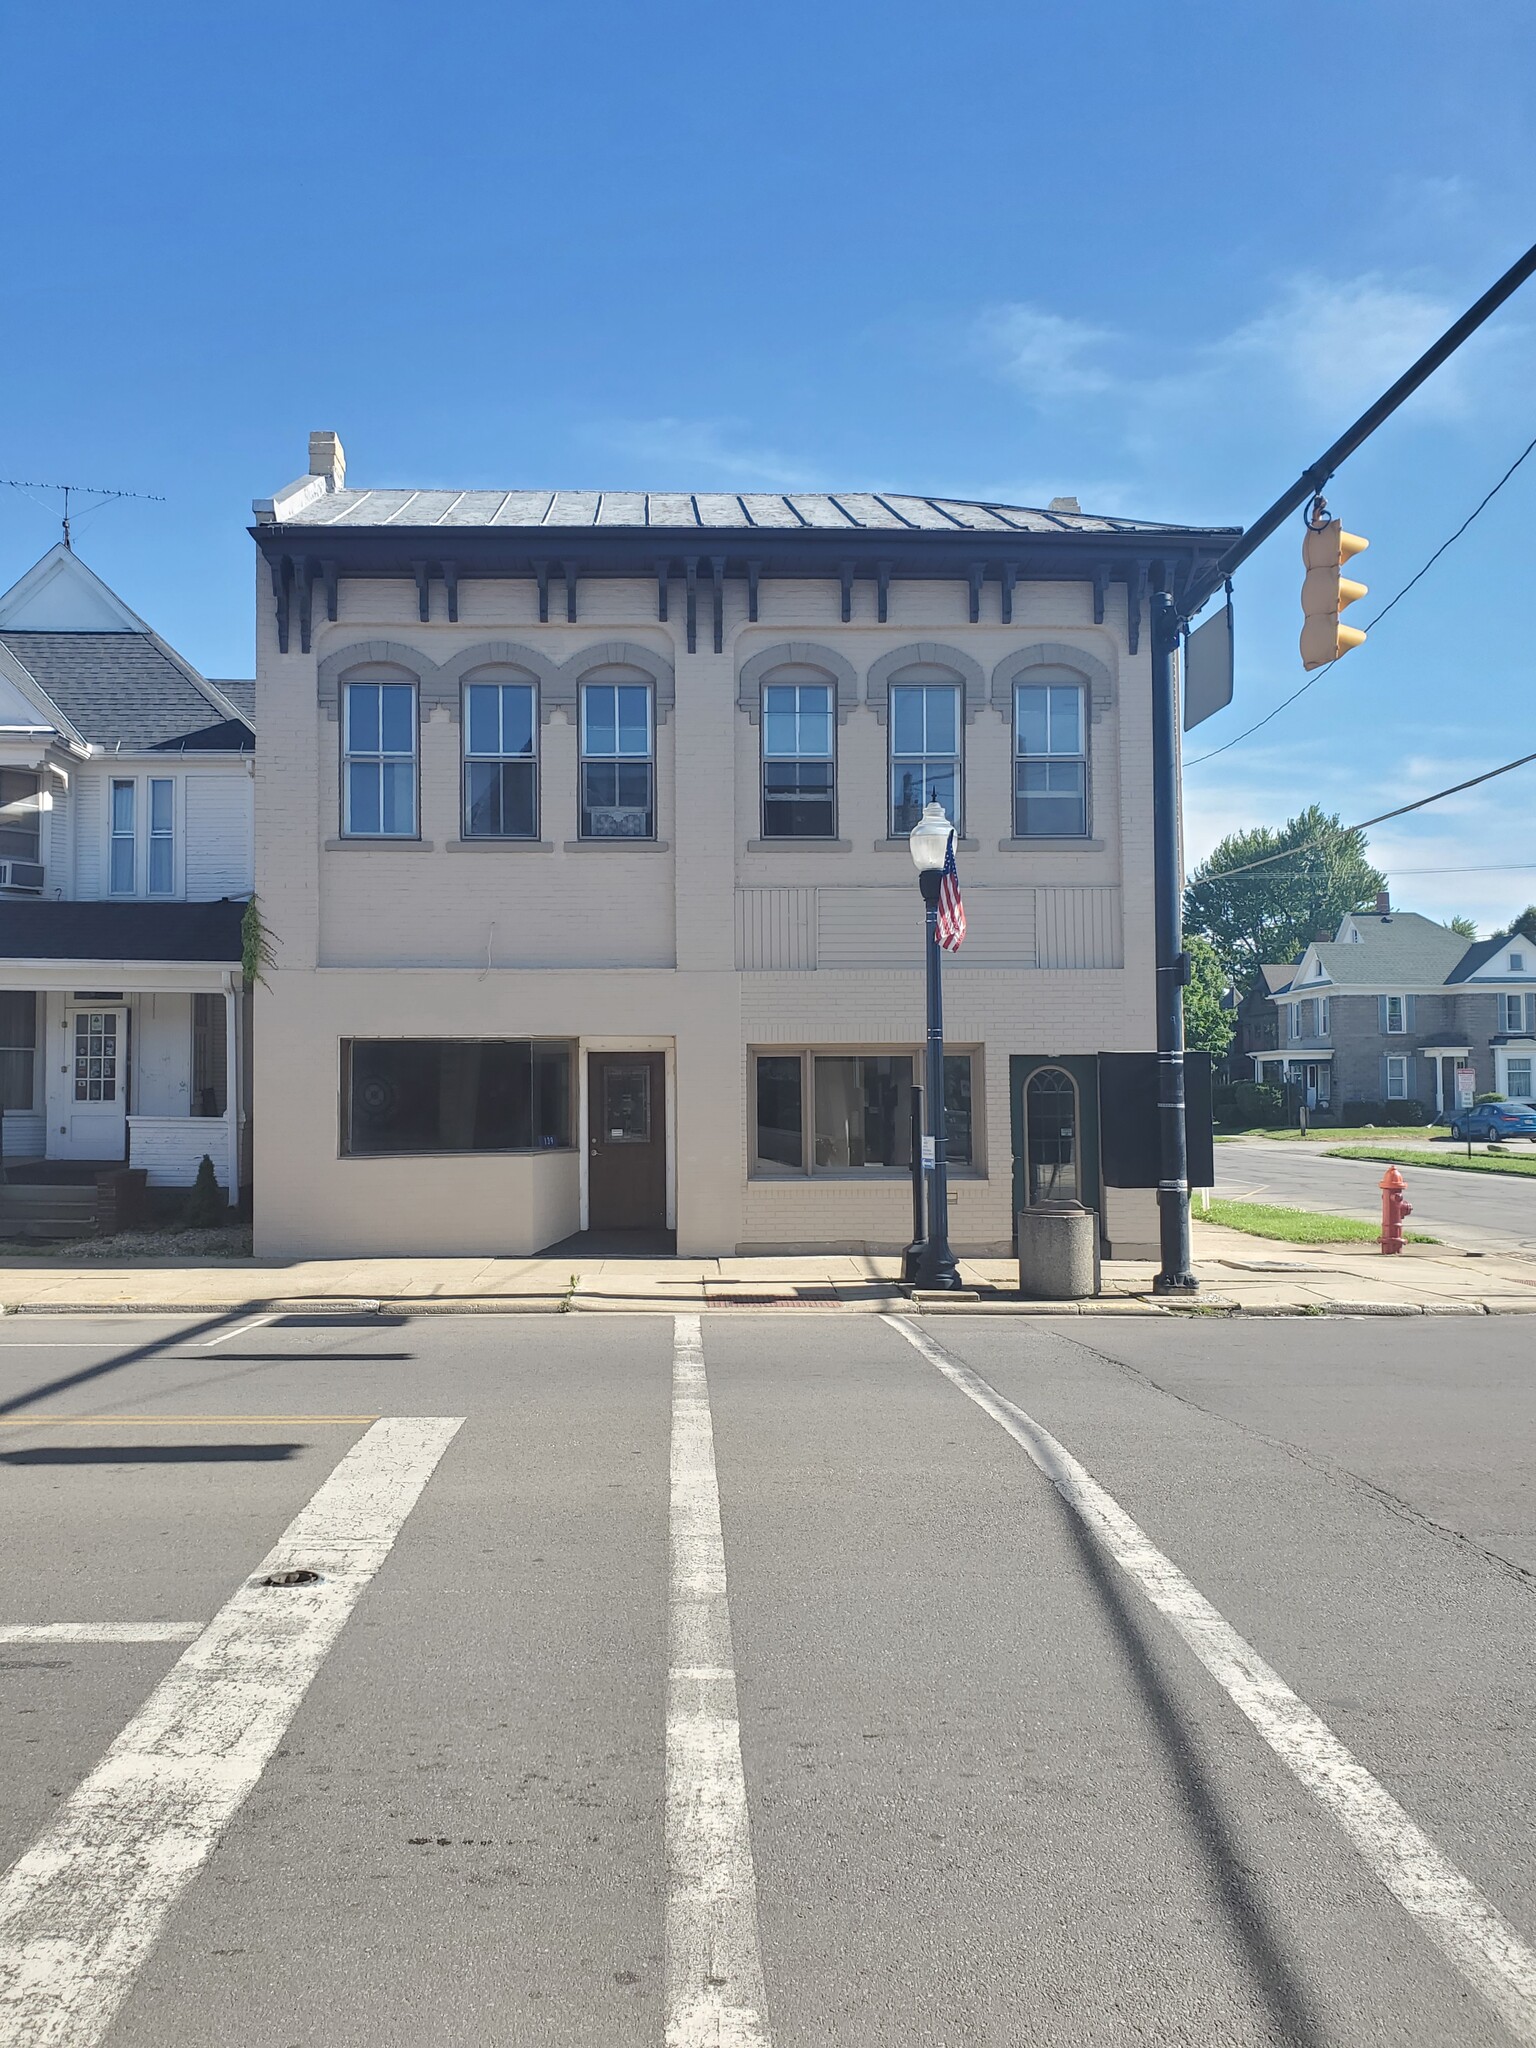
(929, 840)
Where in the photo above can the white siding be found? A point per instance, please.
(218, 813)
(90, 809)
(171, 1148)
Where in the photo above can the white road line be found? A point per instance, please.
(244, 1329)
(99, 1631)
(81, 1909)
(715, 1996)
(1468, 1930)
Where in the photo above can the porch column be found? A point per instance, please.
(232, 1091)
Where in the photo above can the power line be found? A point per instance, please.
(1311, 680)
(1516, 867)
(1343, 831)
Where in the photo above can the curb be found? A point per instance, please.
(554, 1305)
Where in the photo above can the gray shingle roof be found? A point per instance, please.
(1278, 975)
(241, 692)
(1403, 951)
(846, 511)
(116, 689)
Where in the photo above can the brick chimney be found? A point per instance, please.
(328, 458)
(1383, 900)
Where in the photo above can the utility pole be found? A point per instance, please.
(1174, 1274)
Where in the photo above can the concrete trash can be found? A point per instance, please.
(1058, 1252)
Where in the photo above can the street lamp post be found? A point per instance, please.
(935, 1266)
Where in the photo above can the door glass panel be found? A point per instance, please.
(627, 1105)
(1050, 1120)
(96, 1056)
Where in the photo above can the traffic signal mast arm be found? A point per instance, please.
(1311, 481)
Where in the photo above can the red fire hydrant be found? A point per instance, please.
(1393, 1210)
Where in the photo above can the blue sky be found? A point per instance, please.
(1153, 256)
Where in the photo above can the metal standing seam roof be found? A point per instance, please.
(749, 511)
(118, 689)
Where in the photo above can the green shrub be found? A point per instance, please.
(1248, 1104)
(1488, 1098)
(1400, 1113)
(205, 1208)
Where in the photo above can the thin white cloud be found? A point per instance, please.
(1048, 355)
(676, 453)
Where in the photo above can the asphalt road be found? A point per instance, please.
(1477, 1209)
(968, 1766)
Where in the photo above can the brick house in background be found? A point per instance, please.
(126, 858)
(581, 838)
(1387, 1011)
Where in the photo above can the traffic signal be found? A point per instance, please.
(1325, 593)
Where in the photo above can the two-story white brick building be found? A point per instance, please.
(581, 838)
(126, 857)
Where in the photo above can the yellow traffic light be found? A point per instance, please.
(1325, 593)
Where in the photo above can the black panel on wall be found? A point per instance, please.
(1128, 1120)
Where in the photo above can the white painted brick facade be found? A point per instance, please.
(708, 942)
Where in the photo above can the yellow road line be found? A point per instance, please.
(175, 1421)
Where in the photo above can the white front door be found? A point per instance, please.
(94, 1095)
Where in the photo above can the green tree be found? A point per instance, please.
(1525, 924)
(1207, 1026)
(1467, 926)
(1270, 912)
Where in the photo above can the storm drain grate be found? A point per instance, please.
(772, 1301)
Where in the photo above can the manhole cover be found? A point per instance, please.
(301, 1575)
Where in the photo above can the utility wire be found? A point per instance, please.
(1376, 621)
(1343, 831)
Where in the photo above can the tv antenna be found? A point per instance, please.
(96, 491)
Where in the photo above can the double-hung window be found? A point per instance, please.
(162, 836)
(925, 752)
(122, 854)
(1050, 761)
(1517, 1013)
(20, 815)
(501, 769)
(1392, 1008)
(1517, 1079)
(797, 761)
(379, 765)
(1397, 1077)
(618, 762)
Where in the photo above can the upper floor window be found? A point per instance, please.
(618, 761)
(379, 761)
(1517, 963)
(501, 769)
(20, 817)
(1050, 761)
(1392, 1014)
(798, 771)
(122, 858)
(162, 836)
(1322, 1018)
(925, 752)
(1519, 1013)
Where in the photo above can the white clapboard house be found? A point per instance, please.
(125, 867)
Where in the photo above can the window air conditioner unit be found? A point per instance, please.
(21, 877)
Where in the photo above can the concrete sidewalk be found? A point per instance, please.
(1238, 1274)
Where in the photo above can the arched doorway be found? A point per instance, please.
(1055, 1118)
(1052, 1138)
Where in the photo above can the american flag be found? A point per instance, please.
(951, 909)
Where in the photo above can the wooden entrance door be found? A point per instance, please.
(627, 1141)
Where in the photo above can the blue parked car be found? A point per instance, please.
(1495, 1120)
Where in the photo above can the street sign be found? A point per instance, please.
(1466, 1086)
(1208, 669)
(930, 1156)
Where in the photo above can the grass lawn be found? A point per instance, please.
(1293, 1226)
(1347, 1134)
(1443, 1156)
